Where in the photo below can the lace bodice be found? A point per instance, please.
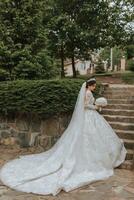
(89, 100)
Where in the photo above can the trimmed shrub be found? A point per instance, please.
(3, 75)
(131, 65)
(43, 97)
(128, 77)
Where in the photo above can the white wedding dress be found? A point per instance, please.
(87, 151)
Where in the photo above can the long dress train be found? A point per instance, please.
(87, 151)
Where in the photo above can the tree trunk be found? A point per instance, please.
(62, 62)
(73, 67)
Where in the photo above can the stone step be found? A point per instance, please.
(119, 89)
(120, 106)
(130, 154)
(129, 144)
(127, 164)
(120, 101)
(122, 125)
(120, 115)
(119, 118)
(117, 112)
(122, 94)
(119, 96)
(111, 91)
(124, 134)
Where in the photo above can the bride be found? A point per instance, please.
(87, 151)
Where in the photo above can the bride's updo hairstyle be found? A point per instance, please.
(90, 82)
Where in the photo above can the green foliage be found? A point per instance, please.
(3, 75)
(23, 45)
(105, 54)
(76, 28)
(117, 54)
(130, 51)
(41, 66)
(128, 77)
(130, 64)
(99, 68)
(42, 97)
(63, 29)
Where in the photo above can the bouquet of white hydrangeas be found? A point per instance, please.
(101, 102)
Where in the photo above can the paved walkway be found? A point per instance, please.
(120, 186)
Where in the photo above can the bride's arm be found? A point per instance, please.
(88, 102)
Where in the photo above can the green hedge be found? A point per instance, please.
(128, 77)
(131, 65)
(43, 97)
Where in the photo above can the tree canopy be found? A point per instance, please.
(35, 34)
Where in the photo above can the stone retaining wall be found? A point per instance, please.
(29, 130)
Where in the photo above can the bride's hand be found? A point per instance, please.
(99, 108)
(96, 107)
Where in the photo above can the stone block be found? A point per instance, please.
(50, 127)
(32, 136)
(23, 139)
(35, 124)
(8, 141)
(44, 141)
(5, 133)
(63, 123)
(14, 132)
(54, 139)
(23, 124)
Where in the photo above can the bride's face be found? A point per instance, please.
(92, 87)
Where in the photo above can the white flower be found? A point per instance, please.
(101, 101)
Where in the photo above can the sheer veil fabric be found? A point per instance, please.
(87, 151)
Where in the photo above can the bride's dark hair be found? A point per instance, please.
(90, 82)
